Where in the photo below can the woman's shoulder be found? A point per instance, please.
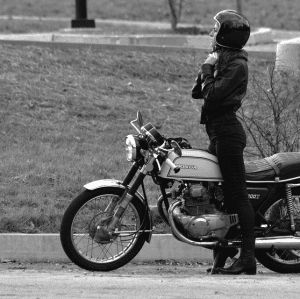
(231, 55)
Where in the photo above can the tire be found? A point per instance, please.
(281, 260)
(79, 228)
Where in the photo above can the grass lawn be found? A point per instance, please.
(64, 117)
(65, 112)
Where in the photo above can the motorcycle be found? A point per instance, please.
(106, 225)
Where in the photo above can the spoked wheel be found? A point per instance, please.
(81, 230)
(281, 260)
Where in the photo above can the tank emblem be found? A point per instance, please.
(187, 166)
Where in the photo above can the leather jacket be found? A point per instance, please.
(223, 90)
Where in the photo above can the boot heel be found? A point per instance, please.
(251, 272)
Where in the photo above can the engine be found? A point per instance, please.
(198, 216)
(202, 199)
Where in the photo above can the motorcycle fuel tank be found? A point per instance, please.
(195, 165)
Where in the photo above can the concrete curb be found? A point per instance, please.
(202, 42)
(47, 248)
(266, 54)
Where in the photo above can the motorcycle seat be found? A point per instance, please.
(280, 166)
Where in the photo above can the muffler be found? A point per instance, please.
(284, 242)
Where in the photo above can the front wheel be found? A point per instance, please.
(281, 260)
(78, 233)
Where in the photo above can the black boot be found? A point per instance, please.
(246, 262)
(220, 257)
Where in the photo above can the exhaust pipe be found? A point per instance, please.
(284, 242)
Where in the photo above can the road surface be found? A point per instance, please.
(161, 279)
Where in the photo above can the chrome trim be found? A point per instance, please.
(292, 185)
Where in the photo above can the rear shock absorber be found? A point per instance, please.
(289, 204)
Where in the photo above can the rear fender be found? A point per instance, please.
(118, 184)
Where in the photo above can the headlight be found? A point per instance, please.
(131, 148)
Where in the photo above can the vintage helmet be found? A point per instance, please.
(234, 30)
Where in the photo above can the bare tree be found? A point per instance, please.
(176, 10)
(271, 114)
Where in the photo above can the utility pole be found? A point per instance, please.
(81, 20)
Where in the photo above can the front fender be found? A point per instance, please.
(104, 183)
(115, 183)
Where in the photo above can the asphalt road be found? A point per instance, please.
(155, 280)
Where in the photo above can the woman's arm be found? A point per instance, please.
(215, 89)
(197, 88)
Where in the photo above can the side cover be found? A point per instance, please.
(195, 165)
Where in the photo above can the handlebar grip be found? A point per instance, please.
(172, 165)
(176, 169)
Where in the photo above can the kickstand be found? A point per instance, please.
(216, 263)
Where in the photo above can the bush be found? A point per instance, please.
(271, 112)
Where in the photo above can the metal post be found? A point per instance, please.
(81, 20)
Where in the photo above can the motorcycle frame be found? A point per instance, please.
(276, 190)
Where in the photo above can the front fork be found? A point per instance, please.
(105, 232)
(111, 206)
(129, 194)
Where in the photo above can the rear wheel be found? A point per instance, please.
(81, 222)
(281, 260)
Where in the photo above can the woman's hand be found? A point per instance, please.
(212, 58)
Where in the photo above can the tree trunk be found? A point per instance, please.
(175, 9)
(239, 5)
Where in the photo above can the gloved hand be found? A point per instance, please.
(212, 58)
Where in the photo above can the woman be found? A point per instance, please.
(222, 83)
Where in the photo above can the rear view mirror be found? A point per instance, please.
(140, 119)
